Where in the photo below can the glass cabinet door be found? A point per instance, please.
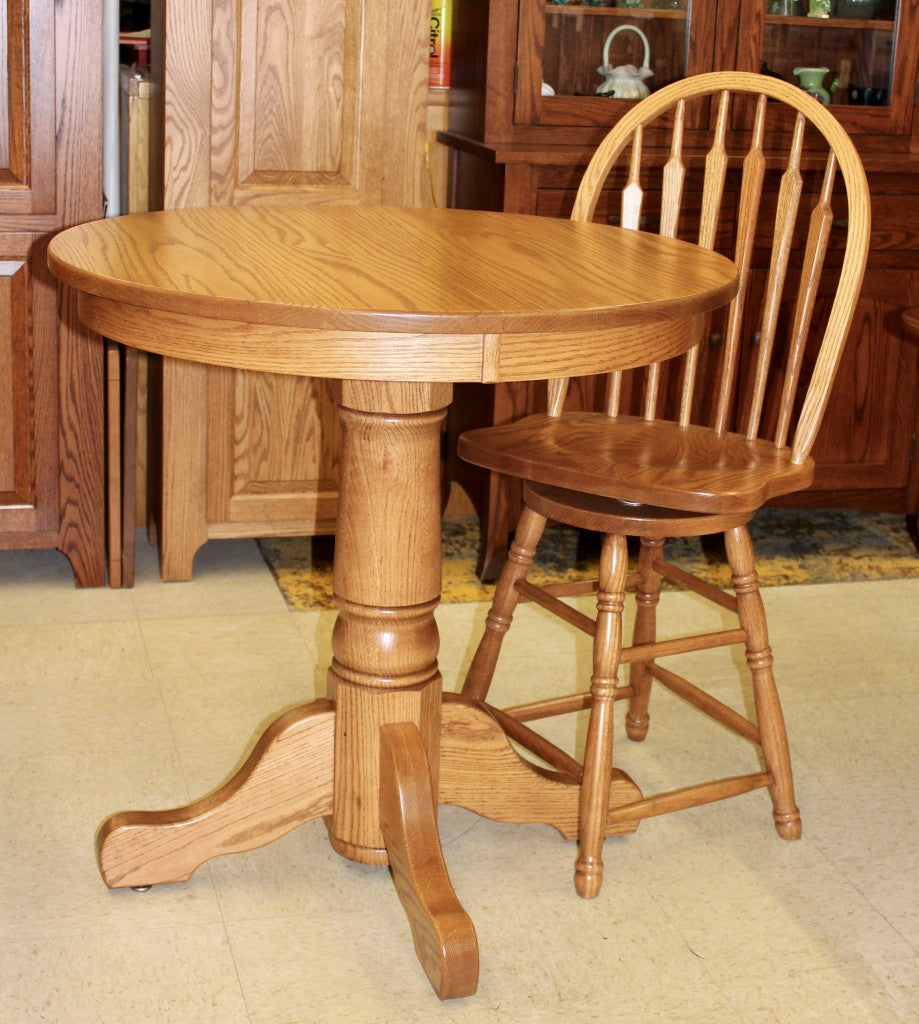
(562, 44)
(854, 55)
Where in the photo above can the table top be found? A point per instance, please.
(292, 275)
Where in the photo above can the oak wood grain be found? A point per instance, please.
(481, 771)
(51, 427)
(443, 933)
(655, 462)
(386, 271)
(285, 781)
(345, 290)
(308, 102)
(656, 474)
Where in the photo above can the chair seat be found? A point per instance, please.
(654, 462)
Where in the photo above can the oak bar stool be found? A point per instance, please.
(671, 456)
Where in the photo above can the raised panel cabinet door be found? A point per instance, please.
(294, 101)
(51, 417)
(27, 113)
(275, 101)
(866, 442)
(279, 463)
(28, 375)
(864, 447)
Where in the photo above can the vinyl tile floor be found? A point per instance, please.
(146, 698)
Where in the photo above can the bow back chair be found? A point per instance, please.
(740, 432)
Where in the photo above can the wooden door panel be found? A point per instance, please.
(307, 101)
(279, 461)
(864, 442)
(276, 101)
(27, 111)
(297, 107)
(15, 431)
(51, 416)
(285, 101)
(28, 374)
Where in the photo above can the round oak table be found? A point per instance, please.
(395, 305)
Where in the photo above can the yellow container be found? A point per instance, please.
(439, 60)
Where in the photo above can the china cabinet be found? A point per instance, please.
(51, 371)
(525, 117)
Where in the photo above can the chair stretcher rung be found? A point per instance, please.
(566, 705)
(691, 796)
(682, 645)
(573, 589)
(701, 587)
(706, 703)
(576, 588)
(570, 615)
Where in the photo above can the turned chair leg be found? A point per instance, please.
(598, 752)
(647, 596)
(773, 738)
(529, 531)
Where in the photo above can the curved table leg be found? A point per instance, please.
(285, 781)
(444, 936)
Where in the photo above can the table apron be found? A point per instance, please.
(632, 340)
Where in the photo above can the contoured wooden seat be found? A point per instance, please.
(693, 448)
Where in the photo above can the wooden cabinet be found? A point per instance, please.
(51, 376)
(524, 121)
(288, 101)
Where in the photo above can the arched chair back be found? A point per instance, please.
(687, 170)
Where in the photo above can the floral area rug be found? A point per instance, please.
(792, 546)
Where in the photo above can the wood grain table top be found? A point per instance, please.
(425, 282)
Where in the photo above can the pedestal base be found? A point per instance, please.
(288, 779)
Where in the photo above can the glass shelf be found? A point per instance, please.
(575, 35)
(859, 54)
(577, 11)
(812, 23)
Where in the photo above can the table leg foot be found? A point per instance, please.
(285, 781)
(443, 933)
(481, 771)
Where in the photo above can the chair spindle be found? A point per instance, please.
(785, 218)
(716, 167)
(633, 195)
(817, 240)
(751, 191)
